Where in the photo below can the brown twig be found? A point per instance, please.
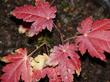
(52, 2)
(36, 49)
(61, 36)
(69, 39)
(47, 49)
(77, 33)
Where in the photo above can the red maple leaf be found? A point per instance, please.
(51, 72)
(18, 66)
(41, 15)
(94, 38)
(66, 60)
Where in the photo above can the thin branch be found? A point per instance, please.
(70, 38)
(52, 2)
(72, 2)
(47, 49)
(61, 36)
(36, 49)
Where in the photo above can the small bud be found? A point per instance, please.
(22, 29)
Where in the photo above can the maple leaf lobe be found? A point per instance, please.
(41, 15)
(18, 66)
(64, 56)
(94, 37)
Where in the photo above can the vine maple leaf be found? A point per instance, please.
(51, 72)
(94, 38)
(41, 15)
(66, 60)
(18, 66)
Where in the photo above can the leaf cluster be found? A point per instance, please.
(63, 60)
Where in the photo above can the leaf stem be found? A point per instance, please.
(52, 2)
(77, 33)
(61, 36)
(36, 49)
(69, 39)
(47, 49)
